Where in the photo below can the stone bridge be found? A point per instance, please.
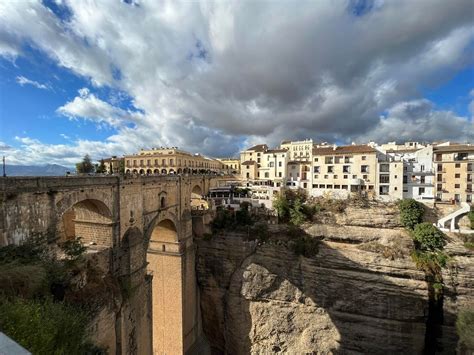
(145, 225)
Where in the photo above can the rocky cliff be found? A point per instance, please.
(361, 292)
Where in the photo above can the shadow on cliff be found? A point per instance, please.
(266, 299)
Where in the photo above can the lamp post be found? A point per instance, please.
(4, 173)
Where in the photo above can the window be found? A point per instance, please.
(316, 169)
(267, 175)
(335, 176)
(364, 157)
(330, 169)
(258, 160)
(345, 176)
(326, 176)
(328, 160)
(316, 176)
(364, 168)
(457, 176)
(422, 179)
(383, 190)
(384, 168)
(395, 188)
(329, 186)
(279, 174)
(457, 186)
(271, 164)
(384, 179)
(421, 190)
(344, 187)
(337, 186)
(279, 163)
(365, 177)
(346, 168)
(316, 160)
(354, 176)
(322, 186)
(457, 165)
(422, 167)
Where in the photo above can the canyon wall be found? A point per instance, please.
(361, 292)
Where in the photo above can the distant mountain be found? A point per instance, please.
(37, 170)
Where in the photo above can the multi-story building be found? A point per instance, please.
(230, 165)
(298, 150)
(454, 168)
(341, 170)
(406, 171)
(170, 161)
(113, 165)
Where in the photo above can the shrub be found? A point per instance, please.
(32, 249)
(465, 327)
(224, 219)
(243, 216)
(45, 327)
(428, 238)
(260, 231)
(73, 248)
(470, 215)
(305, 245)
(411, 213)
(297, 215)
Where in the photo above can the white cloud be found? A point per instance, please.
(212, 76)
(21, 80)
(418, 120)
(89, 107)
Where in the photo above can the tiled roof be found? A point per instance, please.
(454, 148)
(249, 162)
(276, 151)
(259, 148)
(345, 149)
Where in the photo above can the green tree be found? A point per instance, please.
(85, 166)
(122, 166)
(428, 238)
(297, 215)
(101, 167)
(411, 212)
(281, 205)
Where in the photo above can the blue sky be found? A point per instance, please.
(112, 77)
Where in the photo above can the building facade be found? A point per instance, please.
(454, 168)
(230, 165)
(341, 170)
(170, 161)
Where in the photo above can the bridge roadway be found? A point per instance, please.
(146, 224)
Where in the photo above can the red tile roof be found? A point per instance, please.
(345, 149)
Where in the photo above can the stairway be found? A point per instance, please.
(465, 208)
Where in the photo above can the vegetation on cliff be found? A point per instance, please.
(33, 308)
(411, 213)
(465, 327)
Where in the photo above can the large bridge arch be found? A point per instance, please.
(164, 262)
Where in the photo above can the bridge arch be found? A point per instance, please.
(89, 219)
(197, 200)
(165, 264)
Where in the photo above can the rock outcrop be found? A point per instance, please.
(352, 297)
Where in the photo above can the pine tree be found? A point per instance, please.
(85, 166)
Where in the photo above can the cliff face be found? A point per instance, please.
(361, 293)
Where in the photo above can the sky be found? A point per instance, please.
(110, 77)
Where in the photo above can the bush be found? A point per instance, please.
(305, 245)
(260, 231)
(45, 327)
(470, 215)
(465, 327)
(243, 216)
(428, 238)
(297, 215)
(411, 213)
(73, 248)
(224, 219)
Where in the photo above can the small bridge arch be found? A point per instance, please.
(89, 219)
